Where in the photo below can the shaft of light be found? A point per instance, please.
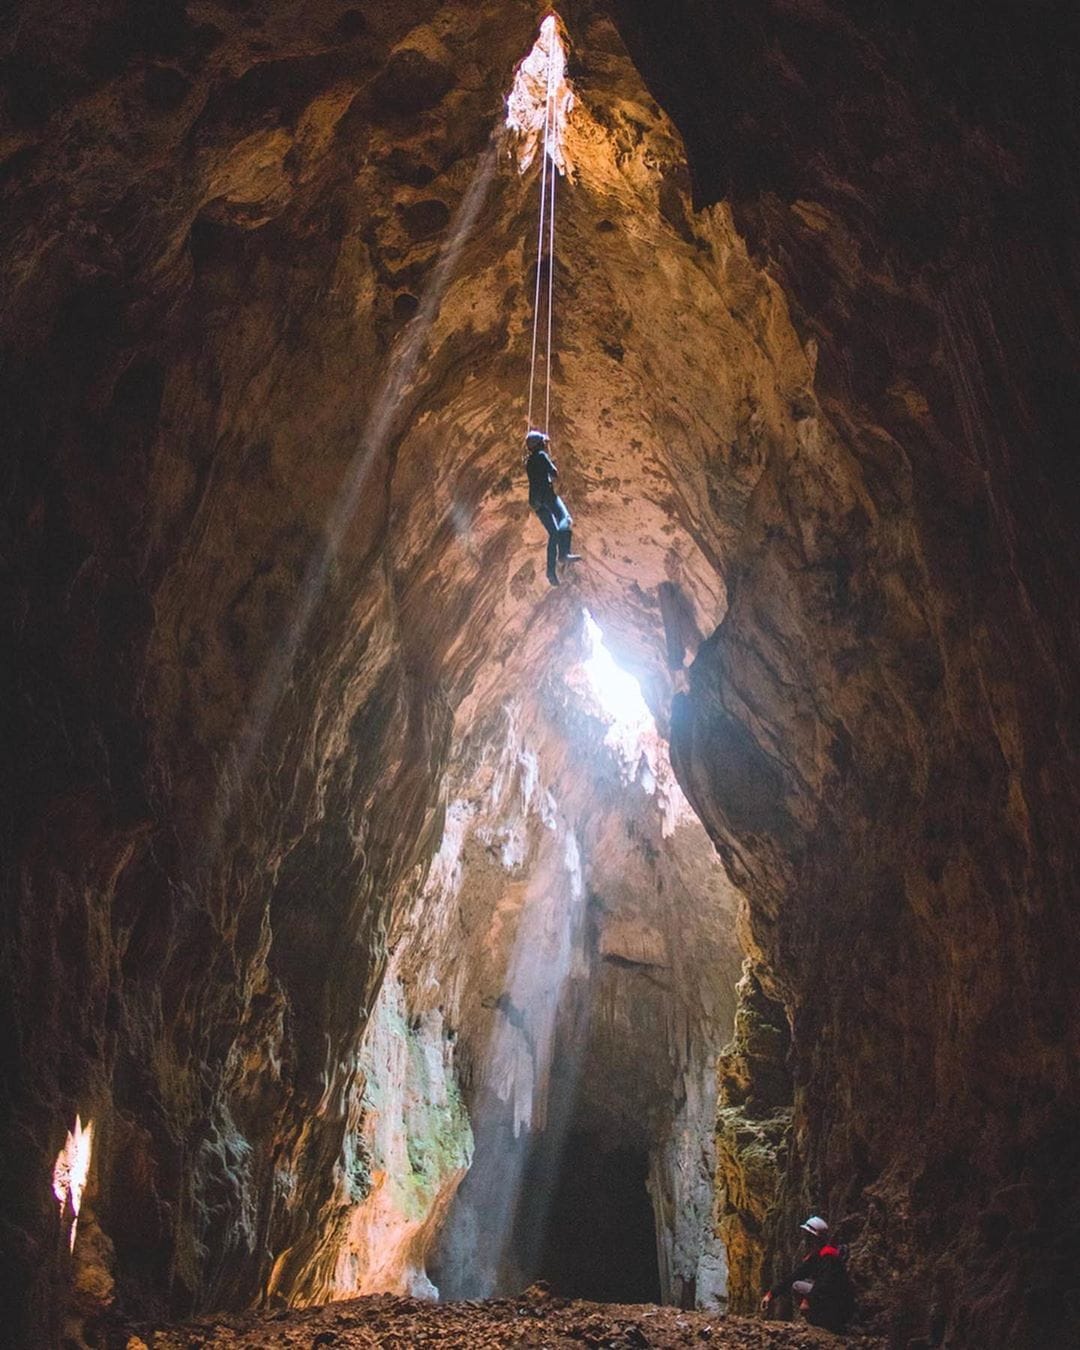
(400, 373)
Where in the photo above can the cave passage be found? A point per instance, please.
(578, 1091)
(600, 1235)
(576, 1213)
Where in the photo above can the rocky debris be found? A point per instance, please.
(533, 1319)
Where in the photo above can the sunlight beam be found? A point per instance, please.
(615, 690)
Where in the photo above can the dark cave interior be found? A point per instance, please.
(600, 1238)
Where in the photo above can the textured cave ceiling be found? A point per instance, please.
(276, 605)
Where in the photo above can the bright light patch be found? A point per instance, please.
(618, 693)
(615, 696)
(541, 99)
(72, 1169)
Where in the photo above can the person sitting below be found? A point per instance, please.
(549, 507)
(820, 1281)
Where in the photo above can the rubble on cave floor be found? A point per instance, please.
(532, 1319)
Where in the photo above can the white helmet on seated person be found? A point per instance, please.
(815, 1227)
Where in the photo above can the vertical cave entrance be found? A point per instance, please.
(572, 887)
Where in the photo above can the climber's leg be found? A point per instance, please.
(564, 522)
(547, 519)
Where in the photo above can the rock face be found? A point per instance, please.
(753, 1123)
(893, 690)
(272, 592)
(407, 1145)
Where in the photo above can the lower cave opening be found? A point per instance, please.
(582, 1220)
(599, 1241)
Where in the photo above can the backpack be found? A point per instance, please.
(832, 1301)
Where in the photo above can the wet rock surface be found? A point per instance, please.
(753, 1128)
(531, 1320)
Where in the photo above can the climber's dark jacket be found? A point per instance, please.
(831, 1299)
(542, 473)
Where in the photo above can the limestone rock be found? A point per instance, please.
(753, 1124)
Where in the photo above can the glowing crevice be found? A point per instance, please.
(614, 696)
(615, 689)
(72, 1170)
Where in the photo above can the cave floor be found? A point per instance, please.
(530, 1320)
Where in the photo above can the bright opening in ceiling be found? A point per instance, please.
(539, 104)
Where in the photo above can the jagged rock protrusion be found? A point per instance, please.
(752, 1127)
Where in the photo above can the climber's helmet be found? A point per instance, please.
(817, 1228)
(535, 440)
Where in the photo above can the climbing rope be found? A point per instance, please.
(551, 296)
(547, 216)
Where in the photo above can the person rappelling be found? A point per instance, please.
(548, 505)
(540, 128)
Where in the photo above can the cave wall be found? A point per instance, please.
(893, 689)
(410, 1146)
